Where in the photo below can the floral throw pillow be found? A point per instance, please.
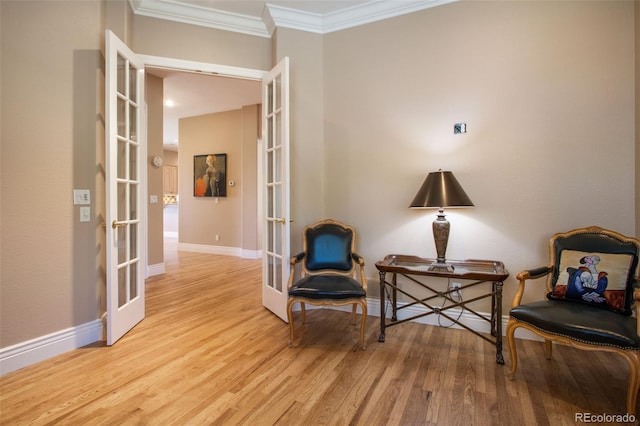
(595, 278)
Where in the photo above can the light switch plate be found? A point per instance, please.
(153, 199)
(85, 214)
(81, 196)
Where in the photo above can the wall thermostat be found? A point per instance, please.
(157, 161)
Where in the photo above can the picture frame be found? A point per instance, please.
(210, 175)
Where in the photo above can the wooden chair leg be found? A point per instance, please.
(511, 331)
(548, 348)
(363, 322)
(634, 380)
(290, 319)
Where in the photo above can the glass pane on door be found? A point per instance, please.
(121, 75)
(277, 201)
(133, 281)
(269, 167)
(122, 154)
(133, 238)
(133, 124)
(121, 111)
(133, 197)
(121, 232)
(133, 81)
(277, 82)
(278, 277)
(122, 286)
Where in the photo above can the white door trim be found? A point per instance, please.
(202, 67)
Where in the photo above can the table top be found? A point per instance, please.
(472, 269)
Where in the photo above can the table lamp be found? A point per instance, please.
(441, 189)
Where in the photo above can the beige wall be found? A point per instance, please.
(170, 157)
(52, 142)
(118, 17)
(247, 181)
(155, 229)
(182, 41)
(307, 141)
(547, 92)
(202, 218)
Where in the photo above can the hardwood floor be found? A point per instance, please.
(209, 353)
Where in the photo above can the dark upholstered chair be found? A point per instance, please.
(328, 275)
(591, 289)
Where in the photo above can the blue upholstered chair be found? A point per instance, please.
(329, 272)
(591, 294)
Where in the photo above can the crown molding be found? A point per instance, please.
(197, 15)
(278, 16)
(365, 13)
(374, 11)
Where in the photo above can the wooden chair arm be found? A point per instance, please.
(292, 262)
(297, 258)
(360, 261)
(529, 274)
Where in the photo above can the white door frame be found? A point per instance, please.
(202, 67)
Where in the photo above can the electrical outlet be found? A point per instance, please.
(217, 237)
(456, 294)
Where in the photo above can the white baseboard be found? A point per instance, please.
(157, 269)
(221, 250)
(204, 248)
(251, 254)
(39, 349)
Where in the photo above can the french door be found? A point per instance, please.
(125, 171)
(125, 182)
(276, 228)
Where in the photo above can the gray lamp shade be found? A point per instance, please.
(441, 189)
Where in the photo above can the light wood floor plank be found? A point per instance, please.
(208, 353)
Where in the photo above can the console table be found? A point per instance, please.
(416, 269)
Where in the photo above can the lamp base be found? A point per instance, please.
(440, 267)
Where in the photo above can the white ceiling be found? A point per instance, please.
(198, 94)
(195, 94)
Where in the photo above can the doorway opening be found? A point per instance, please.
(196, 94)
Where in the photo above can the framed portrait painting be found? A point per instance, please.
(210, 175)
